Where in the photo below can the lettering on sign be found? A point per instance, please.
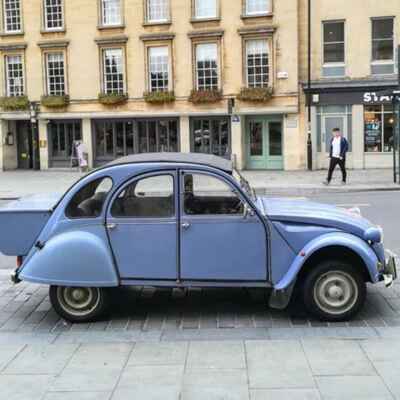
(373, 97)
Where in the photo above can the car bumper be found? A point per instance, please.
(14, 277)
(389, 273)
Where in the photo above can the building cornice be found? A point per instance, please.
(257, 30)
(13, 46)
(206, 34)
(51, 44)
(121, 39)
(147, 37)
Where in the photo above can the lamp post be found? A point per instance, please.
(309, 141)
(33, 118)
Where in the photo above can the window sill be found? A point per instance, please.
(50, 31)
(109, 27)
(195, 20)
(156, 23)
(6, 34)
(252, 16)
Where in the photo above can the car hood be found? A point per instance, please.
(312, 213)
(34, 202)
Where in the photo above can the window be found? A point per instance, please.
(111, 12)
(53, 14)
(257, 60)
(62, 135)
(382, 39)
(55, 74)
(157, 10)
(207, 195)
(158, 69)
(258, 7)
(151, 197)
(205, 9)
(88, 201)
(113, 71)
(379, 128)
(333, 42)
(15, 75)
(12, 15)
(207, 66)
(211, 136)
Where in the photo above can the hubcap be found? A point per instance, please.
(78, 301)
(335, 292)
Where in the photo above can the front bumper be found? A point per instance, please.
(389, 273)
(14, 277)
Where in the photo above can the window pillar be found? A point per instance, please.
(184, 131)
(358, 136)
(238, 133)
(87, 140)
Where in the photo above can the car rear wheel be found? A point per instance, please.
(79, 304)
(334, 291)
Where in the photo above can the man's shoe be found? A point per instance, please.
(343, 182)
(326, 183)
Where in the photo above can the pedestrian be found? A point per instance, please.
(337, 155)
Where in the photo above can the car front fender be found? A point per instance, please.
(73, 258)
(342, 239)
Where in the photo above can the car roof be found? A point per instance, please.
(184, 158)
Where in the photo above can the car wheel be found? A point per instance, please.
(79, 304)
(334, 291)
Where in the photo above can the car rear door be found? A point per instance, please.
(142, 227)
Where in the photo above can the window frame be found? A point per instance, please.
(6, 56)
(148, 48)
(45, 20)
(167, 172)
(196, 18)
(197, 43)
(102, 50)
(268, 41)
(246, 14)
(383, 62)
(382, 114)
(339, 63)
(46, 71)
(5, 30)
(148, 21)
(101, 23)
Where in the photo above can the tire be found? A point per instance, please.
(334, 291)
(79, 304)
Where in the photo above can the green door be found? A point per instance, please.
(264, 143)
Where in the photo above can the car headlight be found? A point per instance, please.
(373, 235)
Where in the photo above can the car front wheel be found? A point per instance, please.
(334, 291)
(79, 304)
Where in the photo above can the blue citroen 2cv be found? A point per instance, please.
(185, 220)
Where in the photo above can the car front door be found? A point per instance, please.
(220, 240)
(142, 226)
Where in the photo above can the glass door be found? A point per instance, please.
(256, 144)
(275, 145)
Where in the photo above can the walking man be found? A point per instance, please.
(339, 148)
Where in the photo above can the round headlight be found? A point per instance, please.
(373, 235)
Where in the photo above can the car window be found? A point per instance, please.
(88, 201)
(208, 195)
(151, 197)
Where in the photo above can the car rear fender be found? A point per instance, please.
(354, 243)
(73, 258)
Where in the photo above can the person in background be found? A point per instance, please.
(338, 151)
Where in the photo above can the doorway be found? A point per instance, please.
(264, 143)
(27, 145)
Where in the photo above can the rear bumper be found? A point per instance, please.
(14, 277)
(389, 273)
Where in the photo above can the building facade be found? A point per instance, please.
(354, 68)
(132, 76)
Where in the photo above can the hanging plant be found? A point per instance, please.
(14, 103)
(260, 95)
(55, 101)
(159, 97)
(113, 99)
(205, 96)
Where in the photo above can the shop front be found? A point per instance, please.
(366, 118)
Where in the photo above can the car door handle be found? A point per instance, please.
(111, 226)
(185, 225)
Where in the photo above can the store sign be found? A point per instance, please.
(376, 98)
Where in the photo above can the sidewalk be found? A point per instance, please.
(14, 184)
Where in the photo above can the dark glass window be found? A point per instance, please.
(88, 201)
(211, 136)
(379, 129)
(207, 195)
(275, 138)
(151, 197)
(333, 42)
(382, 39)
(62, 135)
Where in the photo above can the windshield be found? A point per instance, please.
(244, 184)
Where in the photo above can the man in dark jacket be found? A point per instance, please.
(337, 154)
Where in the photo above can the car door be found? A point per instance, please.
(220, 241)
(142, 226)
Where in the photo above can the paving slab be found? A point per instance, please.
(215, 377)
(285, 394)
(8, 352)
(162, 375)
(148, 392)
(215, 393)
(382, 349)
(352, 388)
(77, 396)
(277, 364)
(24, 387)
(389, 371)
(337, 357)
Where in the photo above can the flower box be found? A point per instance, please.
(159, 97)
(14, 103)
(113, 99)
(55, 101)
(260, 95)
(205, 96)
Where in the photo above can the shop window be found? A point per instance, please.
(379, 129)
(211, 136)
(12, 16)
(150, 197)
(333, 48)
(53, 15)
(88, 202)
(207, 195)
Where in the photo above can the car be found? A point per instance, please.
(190, 220)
